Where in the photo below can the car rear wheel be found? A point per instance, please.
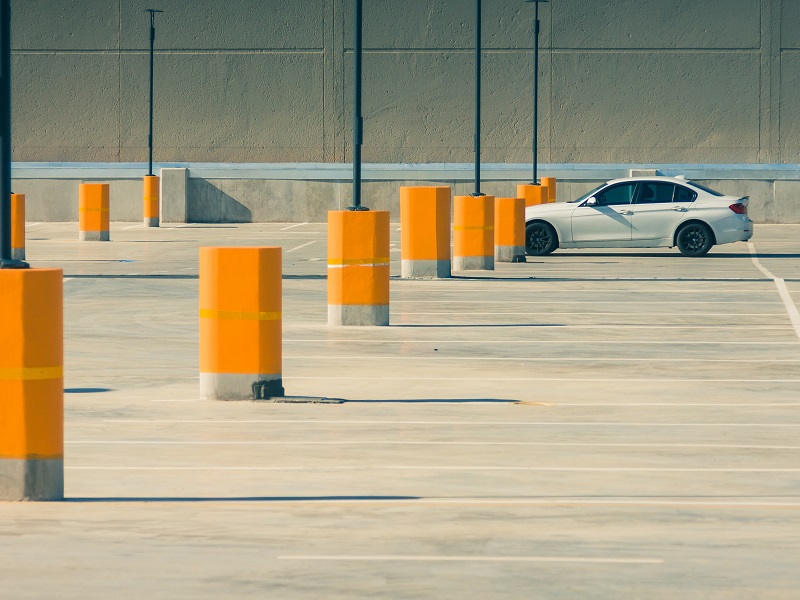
(695, 239)
(540, 239)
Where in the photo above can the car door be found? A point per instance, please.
(608, 220)
(658, 208)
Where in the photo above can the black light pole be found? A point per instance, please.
(536, 91)
(477, 141)
(358, 121)
(152, 12)
(6, 262)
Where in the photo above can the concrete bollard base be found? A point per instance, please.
(510, 254)
(31, 479)
(238, 386)
(151, 222)
(357, 315)
(94, 236)
(425, 269)
(18, 254)
(473, 263)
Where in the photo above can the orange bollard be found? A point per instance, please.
(425, 231)
(18, 226)
(240, 323)
(509, 230)
(93, 205)
(31, 384)
(473, 233)
(533, 194)
(358, 267)
(152, 207)
(550, 182)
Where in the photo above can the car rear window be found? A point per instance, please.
(706, 189)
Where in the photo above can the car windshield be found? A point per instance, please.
(587, 194)
(706, 189)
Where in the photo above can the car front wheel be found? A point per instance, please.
(540, 239)
(694, 239)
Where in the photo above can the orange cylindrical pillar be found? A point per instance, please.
(509, 230)
(152, 205)
(550, 182)
(425, 231)
(93, 212)
(18, 226)
(31, 384)
(473, 233)
(240, 323)
(358, 267)
(533, 193)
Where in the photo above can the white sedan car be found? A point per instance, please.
(640, 212)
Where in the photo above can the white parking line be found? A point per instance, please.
(469, 558)
(293, 226)
(300, 246)
(492, 468)
(501, 378)
(369, 422)
(561, 302)
(536, 342)
(791, 307)
(134, 226)
(548, 313)
(558, 359)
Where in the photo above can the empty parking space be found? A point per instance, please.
(632, 414)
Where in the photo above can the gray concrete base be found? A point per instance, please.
(93, 236)
(425, 269)
(238, 386)
(31, 479)
(509, 254)
(352, 314)
(473, 263)
(151, 222)
(18, 254)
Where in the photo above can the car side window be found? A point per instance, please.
(616, 195)
(651, 193)
(683, 194)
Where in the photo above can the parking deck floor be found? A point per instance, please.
(604, 424)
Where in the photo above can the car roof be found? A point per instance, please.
(662, 178)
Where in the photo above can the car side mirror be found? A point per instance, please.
(591, 202)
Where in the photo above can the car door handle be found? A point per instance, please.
(679, 209)
(626, 212)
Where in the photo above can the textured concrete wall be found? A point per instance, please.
(642, 81)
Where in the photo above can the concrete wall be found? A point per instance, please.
(305, 193)
(640, 81)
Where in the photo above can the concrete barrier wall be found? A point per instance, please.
(260, 81)
(306, 192)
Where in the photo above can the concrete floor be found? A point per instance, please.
(606, 424)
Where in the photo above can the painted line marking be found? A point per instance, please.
(608, 326)
(440, 423)
(535, 342)
(293, 226)
(562, 302)
(134, 226)
(509, 313)
(469, 558)
(576, 379)
(479, 468)
(414, 443)
(780, 284)
(601, 359)
(300, 246)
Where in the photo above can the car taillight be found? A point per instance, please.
(739, 209)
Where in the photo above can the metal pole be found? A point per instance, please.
(6, 261)
(536, 95)
(477, 141)
(150, 134)
(358, 121)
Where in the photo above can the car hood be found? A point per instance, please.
(541, 210)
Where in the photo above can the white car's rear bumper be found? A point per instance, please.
(735, 228)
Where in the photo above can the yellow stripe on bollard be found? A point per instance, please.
(240, 315)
